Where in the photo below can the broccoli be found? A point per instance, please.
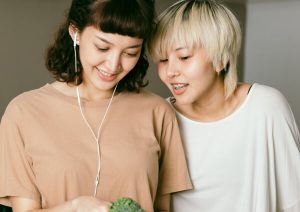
(126, 204)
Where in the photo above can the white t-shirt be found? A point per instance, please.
(246, 162)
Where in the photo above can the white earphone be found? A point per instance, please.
(75, 39)
(75, 54)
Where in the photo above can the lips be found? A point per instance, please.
(179, 88)
(106, 76)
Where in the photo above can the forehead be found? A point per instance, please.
(173, 42)
(96, 34)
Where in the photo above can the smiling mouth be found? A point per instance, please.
(105, 73)
(178, 86)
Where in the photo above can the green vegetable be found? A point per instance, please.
(126, 204)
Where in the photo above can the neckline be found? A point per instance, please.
(225, 119)
(73, 99)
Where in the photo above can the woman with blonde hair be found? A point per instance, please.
(241, 140)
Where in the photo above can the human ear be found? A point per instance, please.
(222, 68)
(219, 68)
(73, 32)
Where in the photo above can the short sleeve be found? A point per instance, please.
(174, 174)
(16, 175)
(287, 156)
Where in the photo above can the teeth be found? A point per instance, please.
(104, 73)
(178, 86)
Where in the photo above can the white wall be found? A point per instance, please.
(272, 52)
(26, 28)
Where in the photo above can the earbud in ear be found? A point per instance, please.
(75, 39)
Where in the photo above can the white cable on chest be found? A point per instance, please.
(96, 138)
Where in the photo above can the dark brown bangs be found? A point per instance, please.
(125, 19)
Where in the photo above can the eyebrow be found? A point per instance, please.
(129, 47)
(180, 48)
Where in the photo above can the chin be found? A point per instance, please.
(181, 100)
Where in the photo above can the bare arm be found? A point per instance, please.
(80, 204)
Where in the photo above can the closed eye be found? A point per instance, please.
(102, 49)
(163, 60)
(184, 58)
(131, 54)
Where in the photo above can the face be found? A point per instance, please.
(188, 74)
(106, 58)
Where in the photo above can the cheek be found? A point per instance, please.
(129, 63)
(88, 57)
(161, 72)
(198, 70)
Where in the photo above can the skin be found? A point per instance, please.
(106, 59)
(197, 85)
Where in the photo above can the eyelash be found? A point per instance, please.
(102, 49)
(106, 49)
(184, 58)
(163, 60)
(181, 58)
(131, 54)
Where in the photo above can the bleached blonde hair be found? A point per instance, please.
(201, 24)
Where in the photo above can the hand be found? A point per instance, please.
(90, 204)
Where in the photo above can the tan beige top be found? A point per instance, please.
(48, 154)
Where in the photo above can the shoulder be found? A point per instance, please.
(28, 96)
(270, 101)
(21, 102)
(263, 91)
(268, 96)
(146, 102)
(148, 95)
(150, 99)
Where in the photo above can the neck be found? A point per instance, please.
(90, 93)
(214, 106)
(209, 107)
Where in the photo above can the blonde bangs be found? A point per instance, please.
(170, 30)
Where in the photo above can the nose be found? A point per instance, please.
(172, 69)
(113, 62)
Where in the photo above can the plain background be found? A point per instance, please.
(270, 53)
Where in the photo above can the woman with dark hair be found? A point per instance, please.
(93, 135)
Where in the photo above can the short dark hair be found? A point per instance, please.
(133, 18)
